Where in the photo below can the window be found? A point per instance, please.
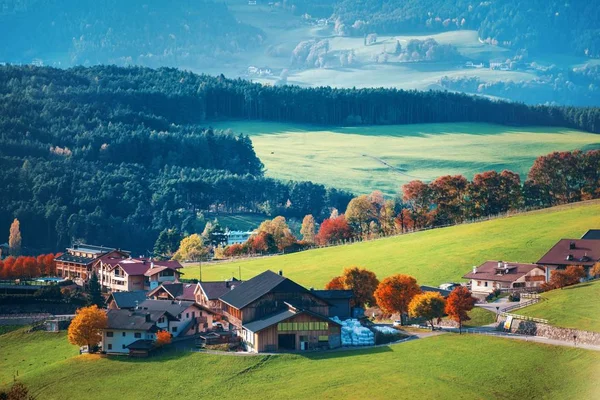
(485, 284)
(478, 283)
(109, 334)
(193, 314)
(178, 316)
(123, 346)
(312, 326)
(161, 320)
(137, 335)
(187, 315)
(124, 334)
(174, 329)
(323, 338)
(110, 346)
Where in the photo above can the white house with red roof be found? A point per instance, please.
(136, 273)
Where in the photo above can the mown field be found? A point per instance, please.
(363, 159)
(571, 307)
(446, 366)
(434, 256)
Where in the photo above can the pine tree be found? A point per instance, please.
(14, 238)
(95, 294)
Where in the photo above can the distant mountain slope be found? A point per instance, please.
(149, 32)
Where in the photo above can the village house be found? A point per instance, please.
(237, 237)
(191, 318)
(4, 250)
(273, 313)
(80, 260)
(135, 273)
(584, 252)
(207, 294)
(492, 275)
(127, 327)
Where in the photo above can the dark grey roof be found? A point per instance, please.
(173, 307)
(75, 259)
(215, 290)
(443, 292)
(260, 324)
(133, 320)
(248, 291)
(592, 234)
(333, 294)
(128, 299)
(142, 344)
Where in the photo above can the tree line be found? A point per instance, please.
(554, 179)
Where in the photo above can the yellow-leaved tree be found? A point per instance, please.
(191, 248)
(86, 327)
(428, 305)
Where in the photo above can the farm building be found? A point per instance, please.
(273, 313)
(493, 275)
(584, 252)
(339, 302)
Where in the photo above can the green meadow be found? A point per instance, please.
(363, 159)
(571, 307)
(446, 366)
(432, 257)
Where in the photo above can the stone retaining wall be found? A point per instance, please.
(551, 332)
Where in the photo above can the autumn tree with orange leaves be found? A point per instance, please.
(394, 294)
(565, 277)
(595, 272)
(428, 305)
(86, 327)
(337, 283)
(163, 338)
(458, 305)
(361, 281)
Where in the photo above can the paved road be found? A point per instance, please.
(501, 304)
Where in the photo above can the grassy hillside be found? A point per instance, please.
(364, 159)
(434, 256)
(571, 307)
(450, 366)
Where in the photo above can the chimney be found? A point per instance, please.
(151, 264)
(137, 304)
(572, 245)
(226, 284)
(499, 264)
(474, 269)
(148, 318)
(281, 272)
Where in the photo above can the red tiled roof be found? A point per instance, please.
(488, 271)
(586, 252)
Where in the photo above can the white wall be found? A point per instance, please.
(118, 339)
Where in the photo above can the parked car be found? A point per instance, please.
(397, 323)
(217, 325)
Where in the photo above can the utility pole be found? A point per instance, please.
(200, 268)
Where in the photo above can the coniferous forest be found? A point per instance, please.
(115, 155)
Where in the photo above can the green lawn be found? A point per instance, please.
(363, 159)
(480, 317)
(434, 256)
(31, 354)
(572, 307)
(446, 366)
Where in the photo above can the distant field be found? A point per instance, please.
(434, 256)
(572, 307)
(446, 366)
(241, 222)
(353, 158)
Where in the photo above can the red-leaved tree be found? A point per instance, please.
(458, 305)
(333, 230)
(394, 294)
